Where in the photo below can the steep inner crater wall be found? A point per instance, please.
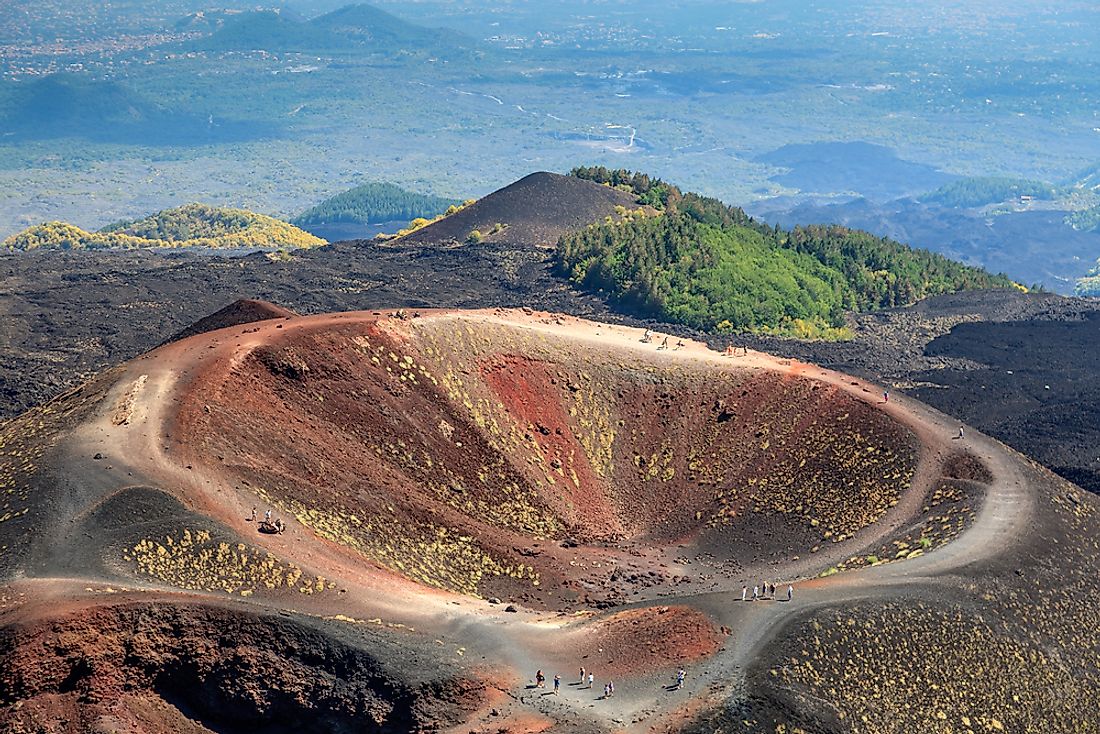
(497, 459)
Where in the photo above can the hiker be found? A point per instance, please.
(755, 592)
(664, 344)
(607, 690)
(252, 517)
(267, 516)
(772, 591)
(647, 337)
(885, 396)
(582, 675)
(611, 687)
(591, 679)
(557, 684)
(744, 592)
(960, 432)
(540, 679)
(279, 526)
(680, 675)
(790, 592)
(729, 349)
(764, 590)
(679, 343)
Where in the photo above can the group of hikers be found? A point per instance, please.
(269, 526)
(647, 338)
(587, 679)
(764, 591)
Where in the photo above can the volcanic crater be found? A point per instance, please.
(499, 459)
(470, 496)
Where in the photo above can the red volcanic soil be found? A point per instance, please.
(641, 641)
(190, 667)
(537, 210)
(473, 454)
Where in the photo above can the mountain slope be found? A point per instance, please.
(355, 29)
(707, 265)
(374, 202)
(192, 225)
(536, 210)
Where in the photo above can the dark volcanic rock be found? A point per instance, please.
(242, 311)
(536, 210)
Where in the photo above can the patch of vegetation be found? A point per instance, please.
(948, 512)
(712, 267)
(426, 553)
(422, 222)
(1086, 220)
(374, 202)
(978, 191)
(919, 667)
(197, 561)
(1090, 286)
(837, 475)
(193, 225)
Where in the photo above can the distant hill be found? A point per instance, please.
(1088, 179)
(352, 28)
(1085, 220)
(372, 203)
(77, 105)
(242, 311)
(193, 225)
(710, 266)
(536, 210)
(969, 193)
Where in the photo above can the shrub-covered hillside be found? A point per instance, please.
(979, 191)
(193, 225)
(373, 203)
(699, 262)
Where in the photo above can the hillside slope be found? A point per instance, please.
(357, 28)
(371, 203)
(708, 265)
(192, 225)
(535, 211)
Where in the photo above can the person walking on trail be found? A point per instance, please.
(540, 679)
(611, 687)
(790, 592)
(960, 431)
(591, 679)
(252, 517)
(885, 396)
(729, 350)
(755, 593)
(744, 592)
(647, 337)
(582, 675)
(557, 684)
(771, 591)
(680, 675)
(664, 344)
